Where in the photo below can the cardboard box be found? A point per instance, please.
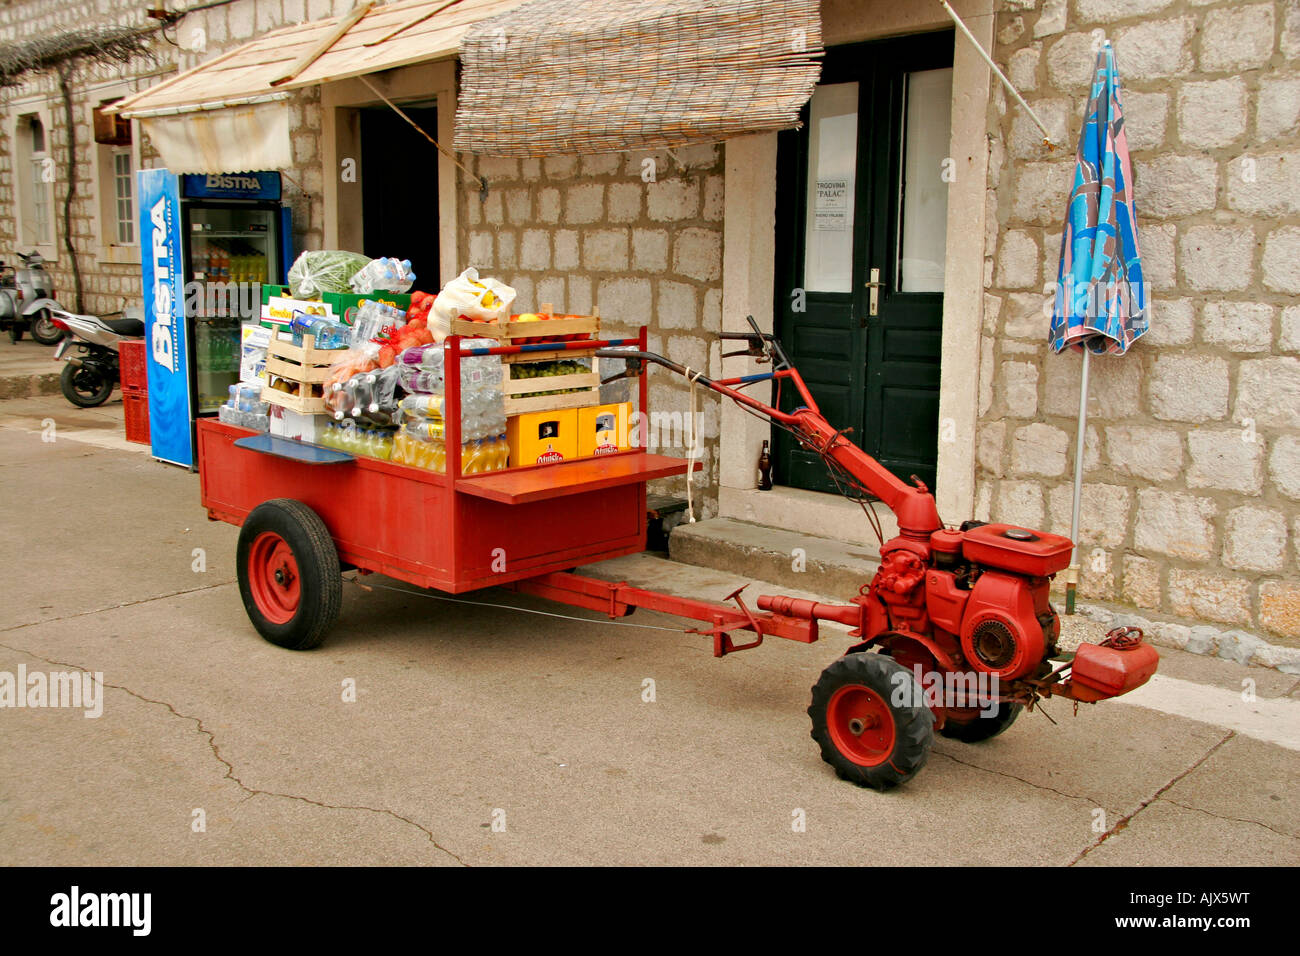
(290, 424)
(253, 340)
(345, 304)
(603, 429)
(279, 310)
(537, 438)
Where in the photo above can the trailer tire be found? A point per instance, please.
(865, 733)
(289, 576)
(982, 728)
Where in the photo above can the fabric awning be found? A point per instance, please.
(591, 76)
(233, 140)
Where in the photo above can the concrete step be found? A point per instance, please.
(788, 558)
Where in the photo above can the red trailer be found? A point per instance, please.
(967, 607)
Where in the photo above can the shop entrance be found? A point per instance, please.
(862, 205)
(399, 189)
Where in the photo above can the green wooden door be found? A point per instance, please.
(862, 198)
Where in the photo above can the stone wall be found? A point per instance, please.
(1192, 461)
(109, 286)
(587, 231)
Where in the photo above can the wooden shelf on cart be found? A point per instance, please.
(302, 404)
(516, 486)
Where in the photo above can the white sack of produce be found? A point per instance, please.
(324, 270)
(479, 300)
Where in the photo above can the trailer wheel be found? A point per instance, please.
(865, 733)
(289, 574)
(980, 728)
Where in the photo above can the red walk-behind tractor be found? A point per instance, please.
(954, 632)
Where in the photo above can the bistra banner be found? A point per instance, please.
(163, 282)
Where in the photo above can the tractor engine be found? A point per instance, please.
(977, 597)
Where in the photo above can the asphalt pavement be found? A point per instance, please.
(436, 732)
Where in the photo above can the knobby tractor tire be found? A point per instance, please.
(289, 574)
(870, 720)
(982, 728)
(84, 386)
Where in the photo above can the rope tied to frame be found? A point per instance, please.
(693, 377)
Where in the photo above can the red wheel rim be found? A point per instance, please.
(273, 577)
(861, 725)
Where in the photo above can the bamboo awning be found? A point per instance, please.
(592, 76)
(243, 76)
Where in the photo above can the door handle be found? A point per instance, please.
(873, 306)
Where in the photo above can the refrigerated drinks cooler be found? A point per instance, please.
(210, 241)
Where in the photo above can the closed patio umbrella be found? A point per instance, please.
(1101, 303)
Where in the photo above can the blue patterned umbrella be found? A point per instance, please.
(1101, 304)
(1100, 297)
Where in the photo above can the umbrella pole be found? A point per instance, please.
(1072, 575)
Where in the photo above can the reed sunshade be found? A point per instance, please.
(592, 76)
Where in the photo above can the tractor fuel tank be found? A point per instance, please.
(1099, 672)
(1011, 548)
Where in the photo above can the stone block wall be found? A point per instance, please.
(1192, 457)
(107, 286)
(584, 231)
(110, 286)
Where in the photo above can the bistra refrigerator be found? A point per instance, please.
(208, 242)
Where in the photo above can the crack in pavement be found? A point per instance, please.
(115, 607)
(1003, 773)
(230, 768)
(1220, 816)
(1124, 821)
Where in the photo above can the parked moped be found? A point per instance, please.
(27, 301)
(91, 350)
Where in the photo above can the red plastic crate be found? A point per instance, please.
(135, 403)
(131, 356)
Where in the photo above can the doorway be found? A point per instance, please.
(399, 189)
(861, 231)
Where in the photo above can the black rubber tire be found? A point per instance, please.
(96, 388)
(321, 595)
(16, 332)
(913, 722)
(983, 728)
(44, 330)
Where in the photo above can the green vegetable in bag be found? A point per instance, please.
(324, 270)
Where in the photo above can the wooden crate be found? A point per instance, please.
(302, 366)
(508, 333)
(300, 400)
(521, 394)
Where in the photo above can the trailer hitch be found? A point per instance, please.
(722, 643)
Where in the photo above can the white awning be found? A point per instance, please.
(232, 140)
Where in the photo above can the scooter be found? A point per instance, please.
(90, 348)
(27, 301)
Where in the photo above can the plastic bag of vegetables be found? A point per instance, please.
(324, 270)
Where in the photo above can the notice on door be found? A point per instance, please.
(832, 205)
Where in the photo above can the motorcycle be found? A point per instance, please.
(90, 347)
(27, 301)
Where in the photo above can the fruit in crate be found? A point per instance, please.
(527, 317)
